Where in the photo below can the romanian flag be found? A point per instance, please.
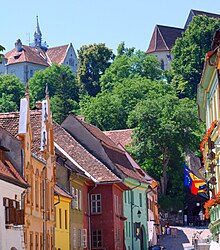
(195, 184)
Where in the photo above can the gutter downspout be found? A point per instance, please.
(132, 226)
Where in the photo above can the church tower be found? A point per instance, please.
(37, 36)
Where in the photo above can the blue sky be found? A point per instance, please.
(94, 21)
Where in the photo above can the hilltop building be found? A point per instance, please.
(164, 37)
(24, 60)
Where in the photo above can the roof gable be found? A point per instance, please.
(163, 38)
(57, 54)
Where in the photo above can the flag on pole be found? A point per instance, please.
(195, 184)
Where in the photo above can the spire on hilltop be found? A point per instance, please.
(37, 35)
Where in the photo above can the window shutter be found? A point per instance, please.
(76, 199)
(83, 238)
(80, 200)
(79, 238)
(73, 197)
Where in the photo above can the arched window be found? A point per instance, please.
(162, 64)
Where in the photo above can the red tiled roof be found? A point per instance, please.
(7, 170)
(61, 192)
(98, 134)
(10, 121)
(86, 160)
(116, 154)
(122, 136)
(163, 38)
(57, 54)
(28, 54)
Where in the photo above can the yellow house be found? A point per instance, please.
(208, 96)
(78, 224)
(62, 202)
(36, 135)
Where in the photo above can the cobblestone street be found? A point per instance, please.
(183, 238)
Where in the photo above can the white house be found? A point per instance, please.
(13, 188)
(24, 60)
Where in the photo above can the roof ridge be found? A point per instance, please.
(84, 149)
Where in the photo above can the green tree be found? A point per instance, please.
(11, 91)
(189, 53)
(110, 110)
(62, 88)
(165, 126)
(1, 49)
(130, 64)
(94, 59)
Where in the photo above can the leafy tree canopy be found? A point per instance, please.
(62, 87)
(11, 91)
(129, 64)
(110, 110)
(1, 49)
(189, 53)
(165, 126)
(94, 59)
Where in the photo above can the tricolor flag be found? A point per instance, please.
(195, 184)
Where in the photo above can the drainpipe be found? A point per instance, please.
(89, 217)
(132, 226)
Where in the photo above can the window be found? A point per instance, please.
(74, 237)
(31, 241)
(140, 199)
(129, 229)
(65, 219)
(162, 64)
(96, 203)
(75, 200)
(36, 241)
(80, 200)
(41, 241)
(125, 196)
(97, 238)
(60, 218)
(31, 72)
(36, 193)
(13, 214)
(116, 204)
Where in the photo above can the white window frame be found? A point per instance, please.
(96, 203)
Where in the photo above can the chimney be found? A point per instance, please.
(18, 45)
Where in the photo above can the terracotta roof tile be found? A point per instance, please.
(115, 154)
(8, 170)
(86, 160)
(28, 54)
(163, 38)
(62, 192)
(10, 121)
(57, 54)
(120, 136)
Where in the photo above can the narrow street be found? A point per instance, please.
(183, 238)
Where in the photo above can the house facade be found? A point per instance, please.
(62, 202)
(209, 112)
(13, 189)
(24, 60)
(36, 136)
(115, 158)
